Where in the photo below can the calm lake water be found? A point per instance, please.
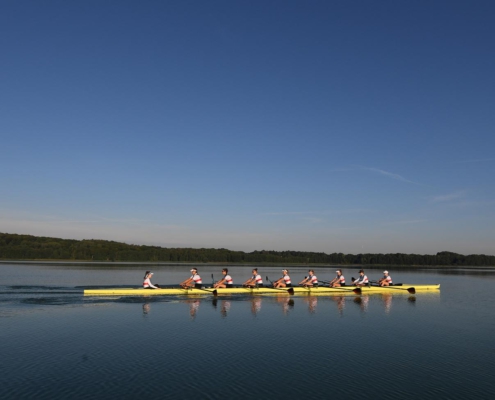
(57, 344)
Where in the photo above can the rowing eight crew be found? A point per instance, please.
(195, 281)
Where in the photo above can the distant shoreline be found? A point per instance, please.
(240, 264)
(16, 247)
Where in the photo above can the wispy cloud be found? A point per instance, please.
(289, 213)
(343, 169)
(324, 212)
(55, 219)
(390, 175)
(476, 160)
(379, 171)
(448, 197)
(405, 222)
(313, 220)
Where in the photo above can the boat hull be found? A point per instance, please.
(254, 291)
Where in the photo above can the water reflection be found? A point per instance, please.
(312, 303)
(224, 308)
(255, 305)
(363, 302)
(387, 302)
(287, 304)
(340, 300)
(193, 307)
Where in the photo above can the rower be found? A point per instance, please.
(284, 281)
(147, 281)
(362, 280)
(226, 281)
(310, 280)
(194, 281)
(386, 280)
(338, 281)
(255, 280)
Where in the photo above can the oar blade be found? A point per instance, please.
(290, 291)
(215, 293)
(357, 290)
(411, 290)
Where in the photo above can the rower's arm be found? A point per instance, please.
(219, 282)
(250, 281)
(186, 282)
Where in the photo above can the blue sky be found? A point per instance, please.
(333, 126)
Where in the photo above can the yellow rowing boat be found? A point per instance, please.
(405, 288)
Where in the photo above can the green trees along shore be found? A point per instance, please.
(27, 247)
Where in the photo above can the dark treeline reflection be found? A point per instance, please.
(286, 304)
(27, 247)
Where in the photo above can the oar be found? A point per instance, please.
(355, 290)
(362, 284)
(214, 291)
(411, 290)
(289, 290)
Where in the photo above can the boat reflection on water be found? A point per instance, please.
(363, 302)
(312, 303)
(387, 302)
(224, 308)
(255, 305)
(287, 303)
(193, 307)
(340, 300)
(366, 303)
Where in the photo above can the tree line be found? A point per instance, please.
(27, 247)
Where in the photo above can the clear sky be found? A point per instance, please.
(333, 126)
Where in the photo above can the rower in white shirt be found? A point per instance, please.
(194, 281)
(255, 280)
(284, 281)
(362, 280)
(310, 280)
(386, 280)
(147, 281)
(338, 281)
(226, 281)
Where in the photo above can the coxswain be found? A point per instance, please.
(255, 280)
(386, 280)
(147, 281)
(194, 281)
(226, 281)
(284, 281)
(310, 280)
(362, 280)
(338, 281)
